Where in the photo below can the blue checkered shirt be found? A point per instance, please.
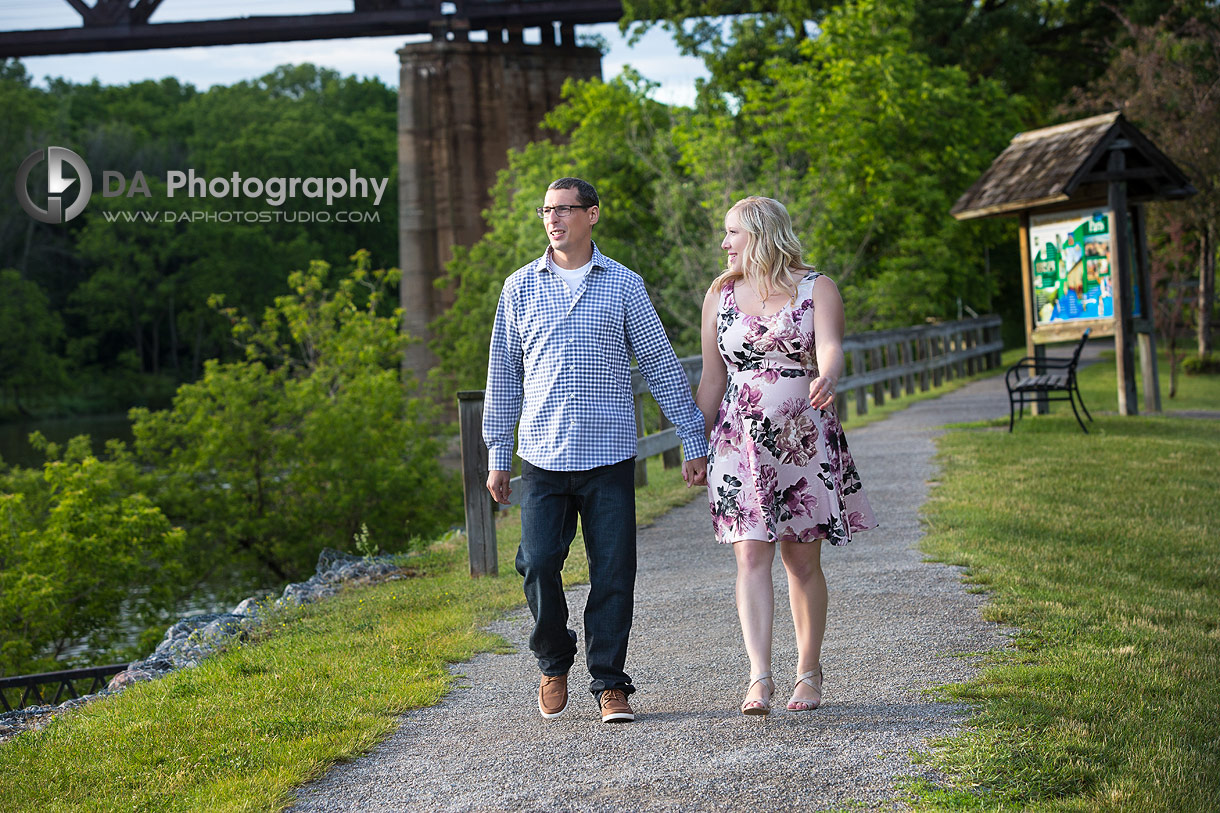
(559, 363)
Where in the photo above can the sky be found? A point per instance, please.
(655, 56)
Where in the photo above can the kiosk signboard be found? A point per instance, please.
(1070, 259)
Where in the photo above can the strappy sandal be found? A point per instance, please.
(758, 707)
(807, 679)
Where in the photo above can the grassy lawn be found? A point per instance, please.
(1098, 386)
(321, 684)
(1103, 551)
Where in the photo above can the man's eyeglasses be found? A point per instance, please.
(562, 211)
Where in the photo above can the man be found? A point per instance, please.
(565, 329)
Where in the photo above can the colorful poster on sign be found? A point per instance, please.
(1071, 266)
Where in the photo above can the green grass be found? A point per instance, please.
(323, 683)
(1099, 387)
(1103, 550)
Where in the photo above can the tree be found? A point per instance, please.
(606, 125)
(1167, 82)
(1172, 260)
(25, 122)
(30, 336)
(311, 435)
(1035, 48)
(302, 121)
(80, 550)
(881, 142)
(133, 291)
(152, 269)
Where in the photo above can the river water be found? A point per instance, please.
(16, 450)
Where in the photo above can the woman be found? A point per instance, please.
(778, 469)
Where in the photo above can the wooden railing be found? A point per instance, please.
(879, 364)
(892, 361)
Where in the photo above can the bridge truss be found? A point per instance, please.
(123, 25)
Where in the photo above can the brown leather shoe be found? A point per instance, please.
(614, 707)
(553, 695)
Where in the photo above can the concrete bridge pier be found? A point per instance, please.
(461, 106)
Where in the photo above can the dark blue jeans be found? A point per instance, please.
(604, 499)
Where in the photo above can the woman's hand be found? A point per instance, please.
(822, 392)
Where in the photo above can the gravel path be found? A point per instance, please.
(896, 625)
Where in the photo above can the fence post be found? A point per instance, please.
(874, 364)
(857, 367)
(670, 458)
(480, 522)
(957, 348)
(891, 360)
(923, 352)
(904, 358)
(936, 349)
(641, 464)
(952, 371)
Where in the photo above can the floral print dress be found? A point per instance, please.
(778, 469)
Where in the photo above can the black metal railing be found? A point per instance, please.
(66, 686)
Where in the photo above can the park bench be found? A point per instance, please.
(1045, 379)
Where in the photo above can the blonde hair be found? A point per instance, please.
(772, 248)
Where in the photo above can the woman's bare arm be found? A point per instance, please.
(828, 326)
(715, 376)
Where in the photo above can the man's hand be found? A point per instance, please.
(694, 472)
(497, 485)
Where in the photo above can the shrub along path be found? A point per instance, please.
(897, 625)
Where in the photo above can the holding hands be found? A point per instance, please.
(822, 392)
(694, 472)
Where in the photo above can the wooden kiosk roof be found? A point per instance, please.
(1065, 166)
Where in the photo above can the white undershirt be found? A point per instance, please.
(572, 276)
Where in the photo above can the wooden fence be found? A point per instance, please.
(879, 364)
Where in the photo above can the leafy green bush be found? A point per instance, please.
(84, 559)
(1201, 365)
(267, 460)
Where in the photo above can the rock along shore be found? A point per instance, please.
(193, 638)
